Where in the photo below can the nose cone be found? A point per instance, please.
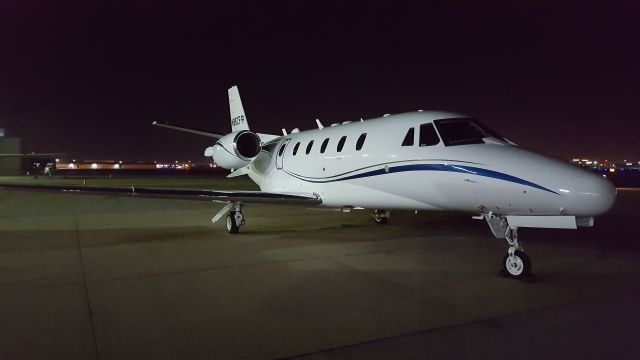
(592, 195)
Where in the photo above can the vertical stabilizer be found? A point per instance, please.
(238, 117)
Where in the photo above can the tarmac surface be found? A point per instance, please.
(84, 277)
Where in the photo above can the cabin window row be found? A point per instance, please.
(325, 143)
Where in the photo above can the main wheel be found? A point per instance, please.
(380, 217)
(517, 266)
(232, 227)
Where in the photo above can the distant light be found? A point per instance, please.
(605, 175)
(94, 166)
(629, 164)
(71, 166)
(57, 160)
(612, 170)
(589, 163)
(576, 160)
(116, 166)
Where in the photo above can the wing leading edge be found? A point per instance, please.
(168, 193)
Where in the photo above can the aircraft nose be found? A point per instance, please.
(593, 195)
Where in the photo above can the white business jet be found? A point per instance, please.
(423, 160)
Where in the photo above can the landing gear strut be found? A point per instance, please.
(381, 216)
(516, 263)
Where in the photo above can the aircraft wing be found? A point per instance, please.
(168, 193)
(31, 155)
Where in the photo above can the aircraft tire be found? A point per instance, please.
(517, 266)
(380, 217)
(232, 227)
(381, 220)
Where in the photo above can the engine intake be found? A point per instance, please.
(246, 145)
(235, 150)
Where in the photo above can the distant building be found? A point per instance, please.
(10, 165)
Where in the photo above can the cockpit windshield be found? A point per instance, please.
(464, 131)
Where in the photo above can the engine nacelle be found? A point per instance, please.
(235, 150)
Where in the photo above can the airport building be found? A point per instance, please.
(10, 165)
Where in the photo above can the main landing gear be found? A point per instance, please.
(235, 217)
(381, 216)
(515, 264)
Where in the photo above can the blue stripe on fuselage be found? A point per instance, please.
(436, 167)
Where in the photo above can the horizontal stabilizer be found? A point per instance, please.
(193, 131)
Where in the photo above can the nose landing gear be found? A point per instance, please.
(516, 263)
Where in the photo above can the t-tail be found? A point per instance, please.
(236, 149)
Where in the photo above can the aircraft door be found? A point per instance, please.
(280, 153)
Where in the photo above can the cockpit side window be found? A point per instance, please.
(428, 135)
(282, 147)
(460, 131)
(408, 139)
(309, 147)
(323, 147)
(341, 143)
(295, 148)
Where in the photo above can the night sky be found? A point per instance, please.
(87, 78)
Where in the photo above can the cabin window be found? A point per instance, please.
(428, 135)
(295, 148)
(309, 146)
(461, 131)
(341, 143)
(408, 139)
(323, 147)
(360, 141)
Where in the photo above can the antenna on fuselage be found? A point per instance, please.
(284, 132)
(320, 126)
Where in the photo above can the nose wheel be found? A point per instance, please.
(516, 263)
